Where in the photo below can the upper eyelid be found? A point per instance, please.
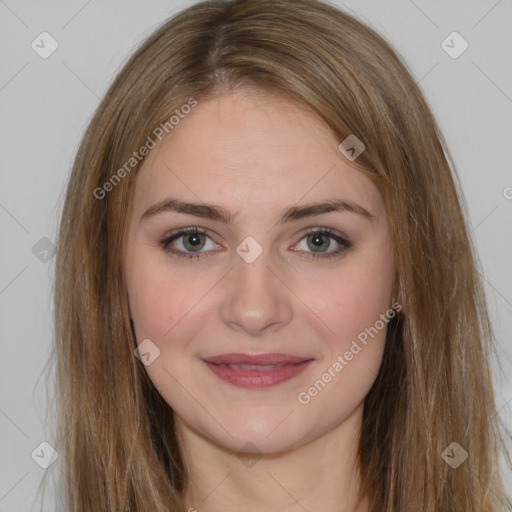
(185, 231)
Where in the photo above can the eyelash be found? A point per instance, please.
(165, 243)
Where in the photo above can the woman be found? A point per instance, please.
(266, 297)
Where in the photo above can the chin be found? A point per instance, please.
(261, 433)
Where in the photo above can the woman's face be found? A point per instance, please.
(270, 320)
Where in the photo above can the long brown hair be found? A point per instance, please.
(115, 432)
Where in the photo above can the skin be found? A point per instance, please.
(255, 155)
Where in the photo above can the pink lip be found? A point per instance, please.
(261, 359)
(285, 367)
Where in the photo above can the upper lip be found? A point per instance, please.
(257, 359)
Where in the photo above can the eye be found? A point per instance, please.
(319, 240)
(194, 240)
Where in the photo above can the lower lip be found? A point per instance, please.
(257, 378)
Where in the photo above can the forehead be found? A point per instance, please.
(250, 147)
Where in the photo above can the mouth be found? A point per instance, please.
(257, 371)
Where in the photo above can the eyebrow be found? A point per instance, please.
(218, 213)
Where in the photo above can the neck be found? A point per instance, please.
(322, 474)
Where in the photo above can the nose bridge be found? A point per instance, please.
(255, 298)
(253, 279)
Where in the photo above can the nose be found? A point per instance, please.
(256, 299)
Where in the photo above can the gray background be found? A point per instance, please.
(47, 103)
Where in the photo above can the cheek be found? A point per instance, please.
(157, 298)
(357, 309)
(167, 305)
(149, 303)
(354, 299)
